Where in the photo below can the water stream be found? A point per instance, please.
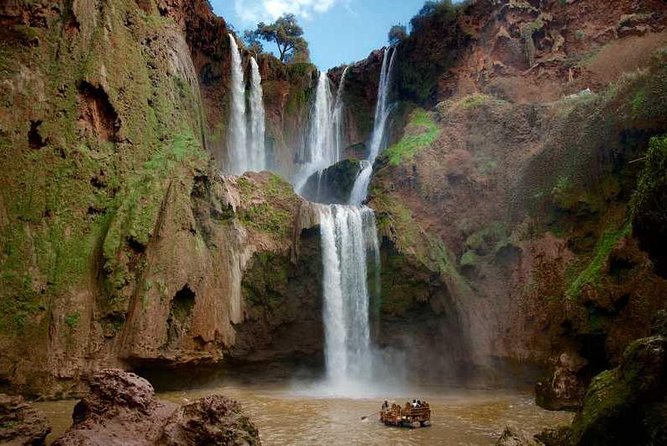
(379, 137)
(237, 139)
(320, 151)
(257, 159)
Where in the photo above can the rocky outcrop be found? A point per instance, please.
(210, 420)
(121, 409)
(20, 424)
(627, 405)
(520, 197)
(334, 184)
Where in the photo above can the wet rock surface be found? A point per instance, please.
(565, 387)
(121, 409)
(334, 184)
(20, 424)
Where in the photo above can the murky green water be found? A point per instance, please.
(288, 415)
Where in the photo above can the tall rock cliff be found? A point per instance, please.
(523, 189)
(121, 243)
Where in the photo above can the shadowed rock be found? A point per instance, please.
(334, 184)
(626, 405)
(514, 437)
(20, 424)
(565, 387)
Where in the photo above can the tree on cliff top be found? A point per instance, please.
(397, 34)
(287, 34)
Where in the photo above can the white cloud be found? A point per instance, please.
(253, 11)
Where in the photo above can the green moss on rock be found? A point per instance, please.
(421, 132)
(626, 405)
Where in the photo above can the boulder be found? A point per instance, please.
(334, 184)
(514, 437)
(554, 437)
(210, 420)
(627, 405)
(565, 388)
(121, 409)
(20, 424)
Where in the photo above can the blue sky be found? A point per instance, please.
(338, 31)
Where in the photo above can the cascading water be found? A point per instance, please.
(338, 122)
(350, 256)
(257, 160)
(349, 246)
(321, 151)
(237, 160)
(378, 139)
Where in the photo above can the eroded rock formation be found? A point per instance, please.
(20, 424)
(121, 409)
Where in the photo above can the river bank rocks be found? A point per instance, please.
(20, 424)
(121, 409)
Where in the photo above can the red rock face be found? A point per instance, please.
(488, 187)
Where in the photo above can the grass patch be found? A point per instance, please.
(421, 132)
(72, 320)
(592, 273)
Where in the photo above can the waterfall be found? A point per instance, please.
(338, 122)
(320, 150)
(349, 244)
(378, 138)
(257, 159)
(236, 151)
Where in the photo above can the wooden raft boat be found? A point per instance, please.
(408, 416)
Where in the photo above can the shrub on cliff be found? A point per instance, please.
(650, 214)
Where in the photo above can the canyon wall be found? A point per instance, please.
(122, 245)
(521, 191)
(519, 205)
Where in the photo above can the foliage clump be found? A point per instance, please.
(421, 132)
(432, 47)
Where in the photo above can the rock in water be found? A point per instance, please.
(565, 387)
(20, 424)
(514, 437)
(121, 409)
(210, 420)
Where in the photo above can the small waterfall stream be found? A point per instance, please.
(237, 140)
(257, 159)
(338, 122)
(320, 151)
(246, 149)
(378, 138)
